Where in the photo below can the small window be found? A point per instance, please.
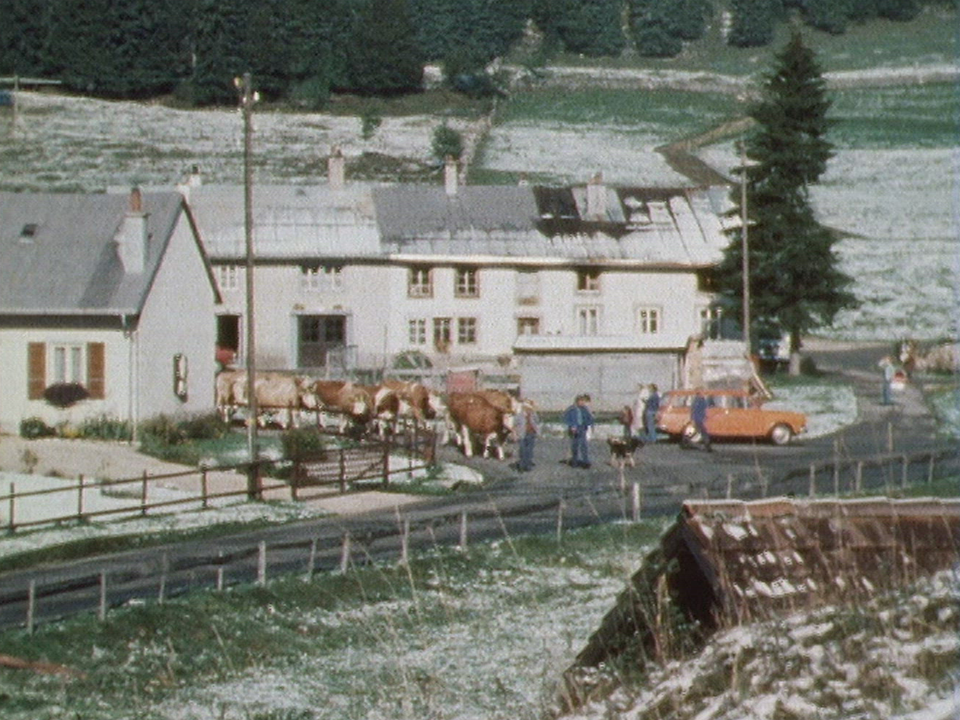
(29, 231)
(228, 276)
(467, 285)
(466, 331)
(321, 278)
(442, 333)
(528, 326)
(588, 320)
(417, 331)
(648, 320)
(588, 280)
(528, 287)
(180, 376)
(420, 284)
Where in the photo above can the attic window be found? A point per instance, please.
(29, 231)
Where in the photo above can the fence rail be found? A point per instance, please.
(342, 467)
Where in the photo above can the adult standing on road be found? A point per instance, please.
(650, 409)
(579, 421)
(637, 428)
(698, 416)
(888, 373)
(526, 427)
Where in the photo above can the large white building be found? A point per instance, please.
(586, 288)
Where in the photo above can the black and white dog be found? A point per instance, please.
(623, 451)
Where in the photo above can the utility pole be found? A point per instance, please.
(247, 98)
(745, 247)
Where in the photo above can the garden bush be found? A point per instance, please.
(299, 443)
(33, 427)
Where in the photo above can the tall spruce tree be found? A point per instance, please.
(384, 56)
(795, 280)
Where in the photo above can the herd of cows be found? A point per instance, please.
(477, 421)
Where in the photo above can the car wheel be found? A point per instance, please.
(781, 434)
(691, 434)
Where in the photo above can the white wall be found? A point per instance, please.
(178, 318)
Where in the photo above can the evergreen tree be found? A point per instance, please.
(590, 27)
(828, 15)
(219, 40)
(658, 27)
(23, 35)
(385, 57)
(752, 22)
(794, 276)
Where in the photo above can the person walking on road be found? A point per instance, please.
(526, 427)
(650, 409)
(579, 421)
(698, 416)
(889, 371)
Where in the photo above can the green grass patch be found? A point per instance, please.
(359, 640)
(918, 116)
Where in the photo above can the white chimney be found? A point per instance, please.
(131, 237)
(450, 179)
(336, 169)
(596, 198)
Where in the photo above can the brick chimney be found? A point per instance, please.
(596, 198)
(450, 180)
(336, 169)
(131, 237)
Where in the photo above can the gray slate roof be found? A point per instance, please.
(678, 227)
(58, 255)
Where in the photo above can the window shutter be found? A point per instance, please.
(36, 370)
(96, 382)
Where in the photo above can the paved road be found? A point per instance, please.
(553, 495)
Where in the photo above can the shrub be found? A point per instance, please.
(299, 443)
(204, 427)
(447, 142)
(162, 430)
(104, 428)
(33, 427)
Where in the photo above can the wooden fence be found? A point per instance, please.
(343, 467)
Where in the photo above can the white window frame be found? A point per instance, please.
(322, 278)
(588, 281)
(417, 332)
(589, 320)
(466, 331)
(466, 282)
(528, 287)
(649, 319)
(229, 276)
(528, 325)
(420, 282)
(68, 363)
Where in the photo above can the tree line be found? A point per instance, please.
(303, 50)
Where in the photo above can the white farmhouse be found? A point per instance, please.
(574, 289)
(108, 296)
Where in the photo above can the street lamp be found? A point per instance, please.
(247, 98)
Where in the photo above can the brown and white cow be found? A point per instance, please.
(352, 403)
(421, 405)
(279, 396)
(475, 419)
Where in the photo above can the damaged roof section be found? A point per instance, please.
(733, 562)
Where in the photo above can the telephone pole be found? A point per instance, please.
(247, 98)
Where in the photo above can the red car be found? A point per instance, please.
(730, 414)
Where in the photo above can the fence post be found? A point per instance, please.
(262, 563)
(161, 593)
(729, 486)
(463, 530)
(345, 553)
(102, 613)
(13, 501)
(80, 498)
(220, 571)
(143, 495)
(203, 485)
(903, 472)
(343, 471)
(836, 468)
(386, 462)
(930, 470)
(31, 605)
(813, 480)
(890, 437)
(858, 483)
(560, 521)
(312, 559)
(405, 543)
(635, 500)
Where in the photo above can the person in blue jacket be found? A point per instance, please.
(698, 416)
(650, 408)
(579, 421)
